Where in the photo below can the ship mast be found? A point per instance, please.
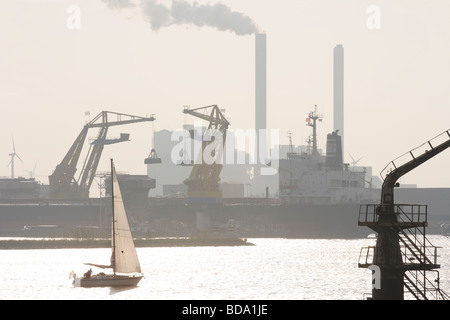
(313, 116)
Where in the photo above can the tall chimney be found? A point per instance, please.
(260, 85)
(338, 90)
(260, 81)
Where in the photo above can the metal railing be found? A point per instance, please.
(414, 213)
(422, 288)
(410, 258)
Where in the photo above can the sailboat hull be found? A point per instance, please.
(109, 281)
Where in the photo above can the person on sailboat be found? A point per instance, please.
(88, 273)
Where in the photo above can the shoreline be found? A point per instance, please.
(61, 243)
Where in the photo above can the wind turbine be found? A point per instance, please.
(13, 155)
(354, 162)
(31, 173)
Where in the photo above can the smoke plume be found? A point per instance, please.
(217, 15)
(118, 4)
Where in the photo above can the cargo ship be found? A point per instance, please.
(313, 195)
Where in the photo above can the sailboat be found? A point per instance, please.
(124, 259)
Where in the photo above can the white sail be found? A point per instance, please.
(124, 251)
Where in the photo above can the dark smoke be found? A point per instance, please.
(217, 15)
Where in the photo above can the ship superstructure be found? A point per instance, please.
(309, 177)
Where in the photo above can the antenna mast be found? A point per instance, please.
(313, 116)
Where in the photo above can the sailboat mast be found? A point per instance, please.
(113, 262)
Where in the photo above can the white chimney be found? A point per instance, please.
(260, 81)
(338, 91)
(260, 85)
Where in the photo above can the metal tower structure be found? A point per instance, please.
(403, 256)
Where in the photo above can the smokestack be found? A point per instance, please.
(260, 84)
(338, 91)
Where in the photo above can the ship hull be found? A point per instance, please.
(108, 281)
(174, 217)
(51, 218)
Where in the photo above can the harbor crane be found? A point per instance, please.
(62, 182)
(203, 182)
(402, 255)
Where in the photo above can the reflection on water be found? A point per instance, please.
(116, 290)
(273, 269)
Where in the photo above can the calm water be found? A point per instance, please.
(273, 269)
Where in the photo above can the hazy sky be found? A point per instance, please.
(144, 59)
